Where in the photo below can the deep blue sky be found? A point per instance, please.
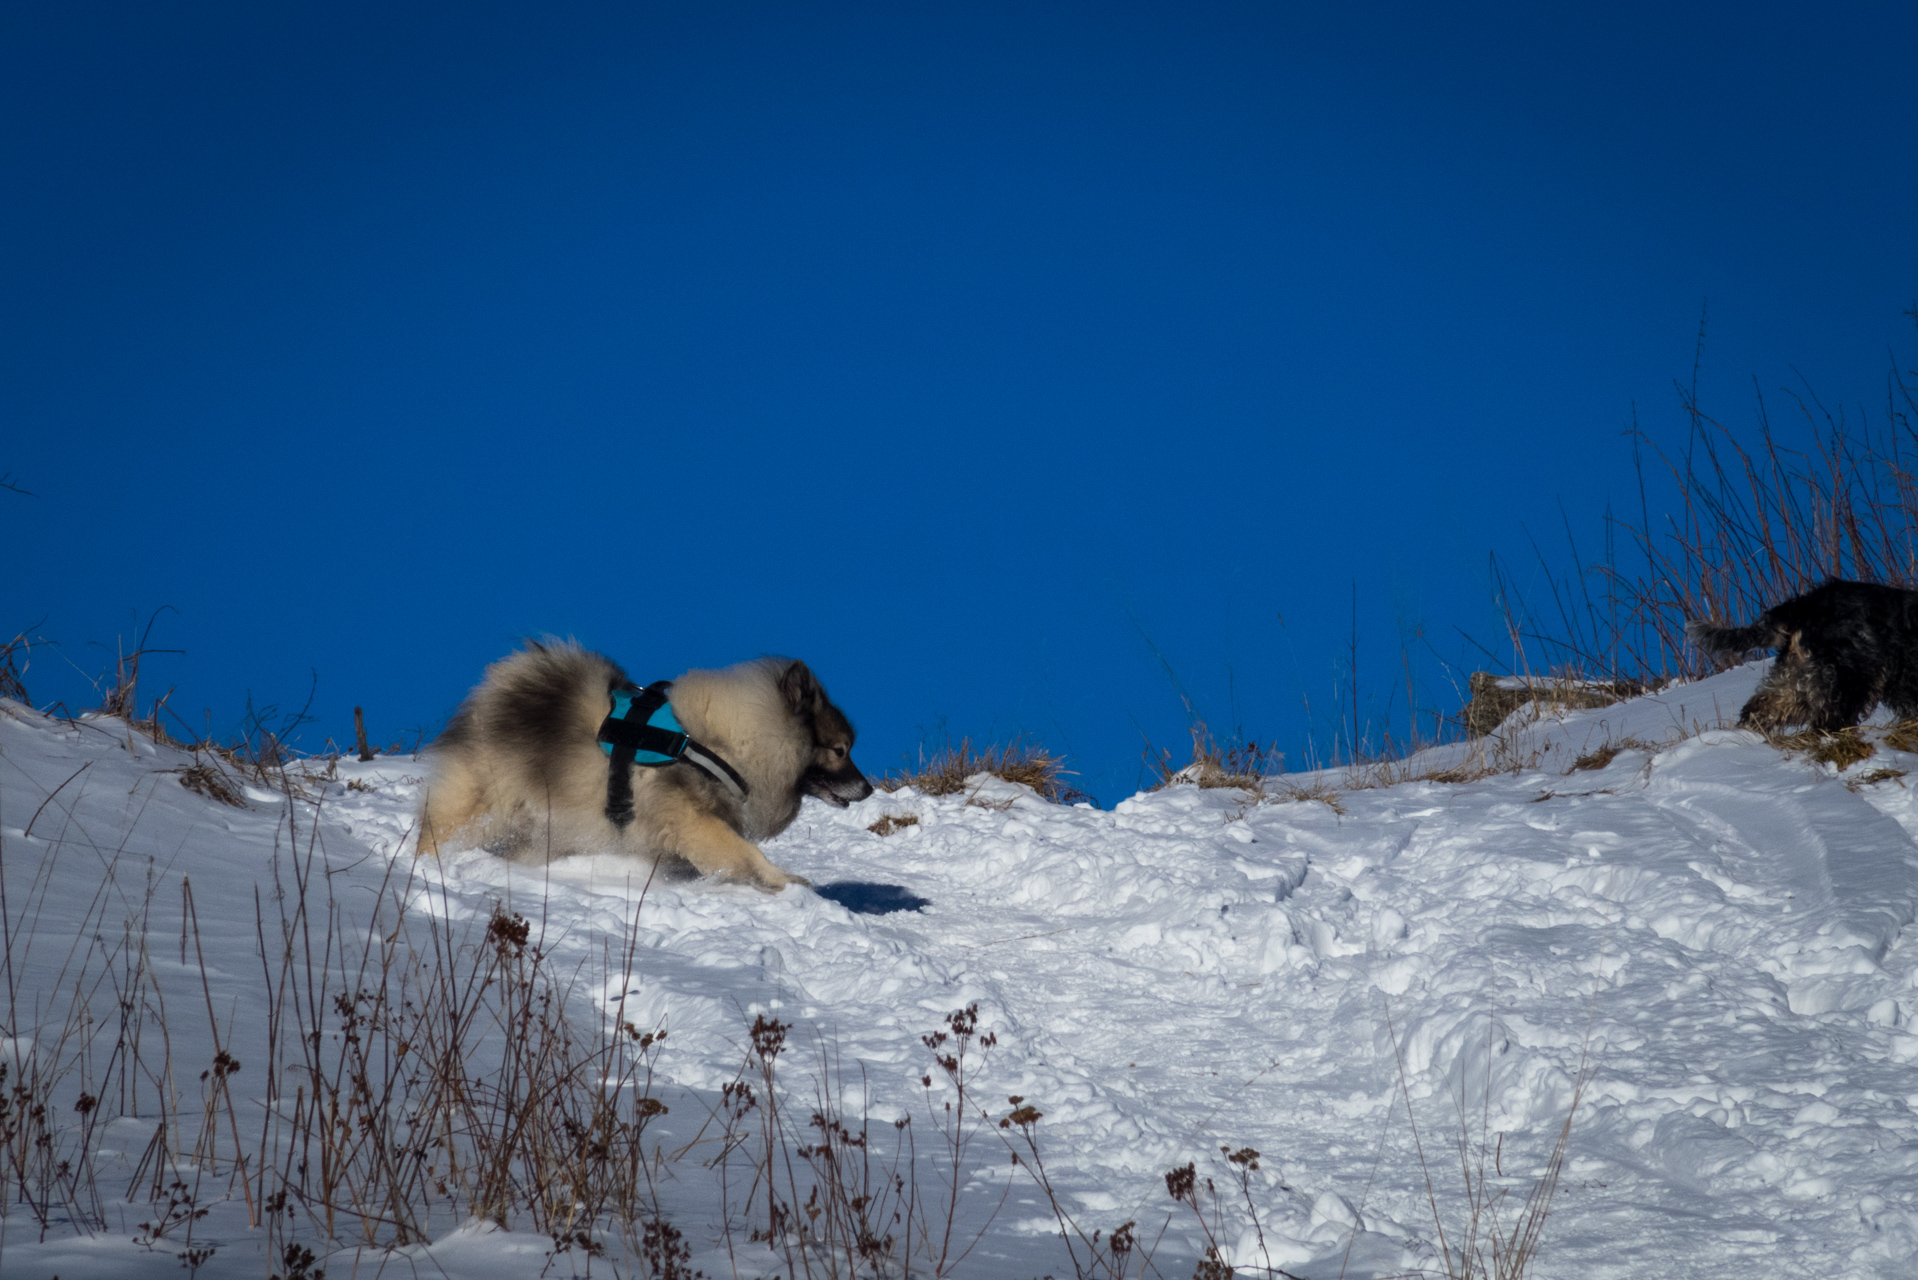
(972, 353)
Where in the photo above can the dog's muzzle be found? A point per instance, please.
(838, 787)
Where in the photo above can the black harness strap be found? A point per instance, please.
(630, 736)
(626, 735)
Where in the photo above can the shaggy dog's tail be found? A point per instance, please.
(1715, 639)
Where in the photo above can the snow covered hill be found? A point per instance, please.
(1713, 935)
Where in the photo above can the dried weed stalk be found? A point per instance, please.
(1486, 1244)
(1752, 521)
(14, 655)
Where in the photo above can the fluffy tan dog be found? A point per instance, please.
(524, 768)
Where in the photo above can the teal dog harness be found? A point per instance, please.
(641, 729)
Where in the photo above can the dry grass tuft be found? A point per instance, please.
(1244, 765)
(207, 780)
(1390, 773)
(1026, 763)
(1458, 773)
(1485, 757)
(1494, 699)
(1903, 737)
(1872, 777)
(1606, 754)
(1841, 750)
(1595, 759)
(894, 822)
(1318, 789)
(120, 689)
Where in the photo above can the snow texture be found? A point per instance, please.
(1712, 932)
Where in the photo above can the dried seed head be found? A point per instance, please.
(769, 1037)
(509, 934)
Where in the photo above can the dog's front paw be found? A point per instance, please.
(767, 879)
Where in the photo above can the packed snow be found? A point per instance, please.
(1709, 933)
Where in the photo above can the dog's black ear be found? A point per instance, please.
(801, 690)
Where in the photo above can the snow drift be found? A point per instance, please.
(1711, 935)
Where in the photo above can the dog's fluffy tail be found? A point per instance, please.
(1715, 639)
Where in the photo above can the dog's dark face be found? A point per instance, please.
(831, 776)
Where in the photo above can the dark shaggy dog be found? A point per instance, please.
(1843, 648)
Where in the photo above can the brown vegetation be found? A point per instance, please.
(1827, 495)
(1841, 750)
(947, 771)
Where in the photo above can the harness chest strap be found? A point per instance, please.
(642, 729)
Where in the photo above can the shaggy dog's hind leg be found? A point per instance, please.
(1770, 709)
(452, 802)
(1849, 698)
(1800, 689)
(1903, 704)
(1792, 692)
